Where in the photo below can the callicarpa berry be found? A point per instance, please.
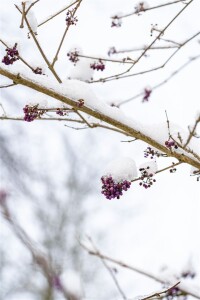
(112, 189)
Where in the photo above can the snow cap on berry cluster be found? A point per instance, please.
(120, 169)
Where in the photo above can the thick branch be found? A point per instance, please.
(103, 117)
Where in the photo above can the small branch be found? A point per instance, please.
(6, 86)
(161, 170)
(56, 14)
(64, 35)
(190, 60)
(161, 32)
(105, 117)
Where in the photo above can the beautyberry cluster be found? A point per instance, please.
(112, 189)
(98, 65)
(149, 152)
(70, 19)
(11, 56)
(147, 94)
(146, 178)
(31, 112)
(116, 21)
(171, 144)
(73, 56)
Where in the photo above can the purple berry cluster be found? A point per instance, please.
(146, 178)
(171, 144)
(112, 189)
(11, 56)
(147, 94)
(73, 56)
(149, 152)
(70, 19)
(38, 70)
(32, 112)
(98, 65)
(116, 22)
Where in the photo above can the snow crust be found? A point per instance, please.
(123, 168)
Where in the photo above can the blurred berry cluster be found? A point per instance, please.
(11, 56)
(112, 189)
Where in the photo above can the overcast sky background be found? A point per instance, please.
(150, 228)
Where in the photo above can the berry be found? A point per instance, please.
(147, 94)
(112, 189)
(98, 65)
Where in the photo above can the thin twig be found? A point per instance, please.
(40, 259)
(64, 35)
(192, 132)
(160, 293)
